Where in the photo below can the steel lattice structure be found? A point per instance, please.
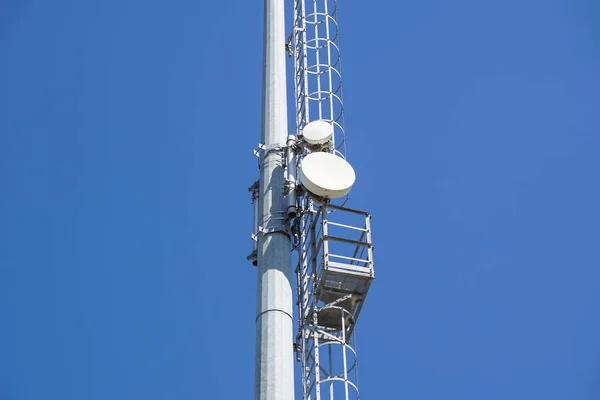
(333, 244)
(335, 252)
(334, 273)
(317, 67)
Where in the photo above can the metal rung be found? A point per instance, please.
(360, 260)
(341, 239)
(346, 226)
(350, 268)
(352, 210)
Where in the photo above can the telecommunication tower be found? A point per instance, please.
(300, 206)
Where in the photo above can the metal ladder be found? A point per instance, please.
(334, 273)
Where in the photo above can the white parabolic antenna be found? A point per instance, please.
(317, 132)
(327, 175)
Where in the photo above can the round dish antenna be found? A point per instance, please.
(326, 175)
(317, 132)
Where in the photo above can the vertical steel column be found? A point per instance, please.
(274, 371)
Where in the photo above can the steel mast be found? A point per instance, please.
(274, 369)
(300, 204)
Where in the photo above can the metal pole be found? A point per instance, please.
(274, 371)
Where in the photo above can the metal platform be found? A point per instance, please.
(335, 270)
(343, 279)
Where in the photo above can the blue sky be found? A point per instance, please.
(126, 137)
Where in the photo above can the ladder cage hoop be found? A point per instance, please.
(334, 264)
(333, 284)
(317, 67)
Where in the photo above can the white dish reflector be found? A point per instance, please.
(317, 132)
(327, 175)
